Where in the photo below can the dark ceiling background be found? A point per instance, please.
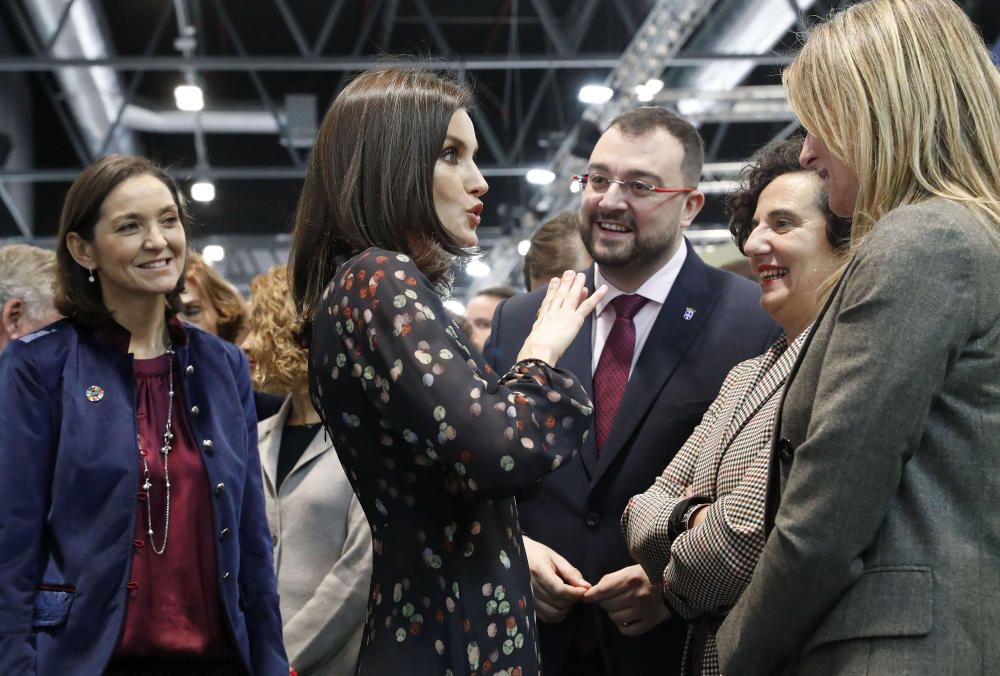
(525, 107)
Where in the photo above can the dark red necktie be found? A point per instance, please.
(611, 375)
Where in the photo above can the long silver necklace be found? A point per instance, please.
(168, 437)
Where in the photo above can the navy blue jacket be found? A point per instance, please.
(68, 477)
(711, 321)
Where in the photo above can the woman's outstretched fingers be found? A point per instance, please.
(588, 305)
(549, 294)
(579, 279)
(563, 292)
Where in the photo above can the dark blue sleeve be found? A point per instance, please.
(26, 462)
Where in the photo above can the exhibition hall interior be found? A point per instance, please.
(229, 95)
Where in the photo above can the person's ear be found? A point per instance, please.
(10, 318)
(692, 205)
(81, 250)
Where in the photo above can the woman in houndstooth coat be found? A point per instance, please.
(699, 529)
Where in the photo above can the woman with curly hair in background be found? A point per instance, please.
(322, 543)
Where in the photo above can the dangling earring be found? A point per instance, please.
(91, 277)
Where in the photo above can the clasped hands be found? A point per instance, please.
(632, 602)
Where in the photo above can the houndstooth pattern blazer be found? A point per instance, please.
(704, 570)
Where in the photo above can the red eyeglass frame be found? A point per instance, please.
(584, 179)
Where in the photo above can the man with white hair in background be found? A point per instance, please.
(26, 275)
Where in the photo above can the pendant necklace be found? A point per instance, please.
(168, 437)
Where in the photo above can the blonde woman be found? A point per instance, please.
(883, 550)
(322, 543)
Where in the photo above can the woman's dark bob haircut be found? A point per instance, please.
(767, 164)
(370, 180)
(75, 297)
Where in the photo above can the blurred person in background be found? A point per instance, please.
(134, 536)
(322, 542)
(741, 267)
(883, 553)
(697, 531)
(26, 276)
(211, 303)
(479, 311)
(555, 247)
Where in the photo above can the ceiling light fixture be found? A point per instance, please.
(213, 253)
(477, 268)
(595, 94)
(189, 98)
(203, 191)
(455, 306)
(540, 176)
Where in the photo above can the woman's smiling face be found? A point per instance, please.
(789, 249)
(139, 244)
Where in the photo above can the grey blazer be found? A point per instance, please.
(884, 554)
(322, 553)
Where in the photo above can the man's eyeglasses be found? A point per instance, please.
(638, 189)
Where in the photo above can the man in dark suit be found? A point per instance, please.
(653, 357)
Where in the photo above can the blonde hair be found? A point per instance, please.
(282, 363)
(904, 93)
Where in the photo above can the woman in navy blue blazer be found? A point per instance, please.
(133, 538)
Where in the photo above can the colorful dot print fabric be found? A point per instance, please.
(435, 446)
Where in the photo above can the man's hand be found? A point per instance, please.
(557, 585)
(630, 599)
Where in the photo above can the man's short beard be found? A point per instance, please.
(639, 253)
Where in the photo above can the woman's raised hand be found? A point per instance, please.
(562, 313)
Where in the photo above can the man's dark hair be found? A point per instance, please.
(555, 248)
(646, 119)
(503, 292)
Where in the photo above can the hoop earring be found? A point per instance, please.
(91, 277)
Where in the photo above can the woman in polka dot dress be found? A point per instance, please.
(435, 444)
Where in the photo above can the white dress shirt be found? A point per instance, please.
(654, 289)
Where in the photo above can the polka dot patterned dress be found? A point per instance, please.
(435, 447)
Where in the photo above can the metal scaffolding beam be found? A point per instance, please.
(22, 64)
(67, 175)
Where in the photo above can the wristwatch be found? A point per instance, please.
(689, 514)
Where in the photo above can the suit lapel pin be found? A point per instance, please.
(95, 393)
(688, 313)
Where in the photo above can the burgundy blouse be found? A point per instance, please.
(173, 601)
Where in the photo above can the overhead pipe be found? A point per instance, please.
(93, 94)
